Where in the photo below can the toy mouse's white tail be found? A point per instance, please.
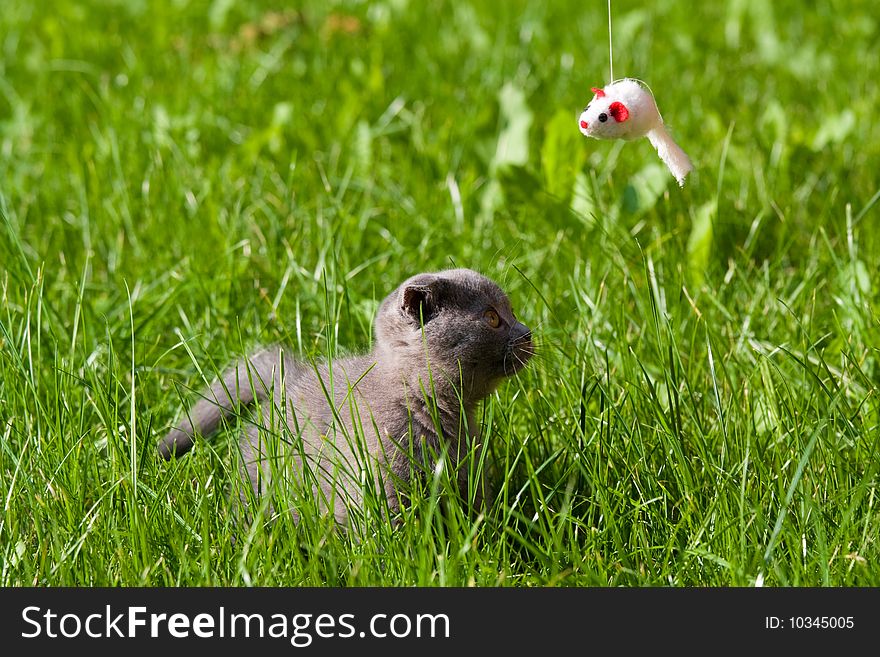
(670, 152)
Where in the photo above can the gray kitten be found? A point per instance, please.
(444, 341)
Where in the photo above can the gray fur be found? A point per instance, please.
(435, 357)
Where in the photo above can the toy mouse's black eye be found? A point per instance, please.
(603, 117)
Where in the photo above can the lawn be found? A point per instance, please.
(183, 181)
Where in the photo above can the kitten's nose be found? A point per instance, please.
(520, 333)
(520, 347)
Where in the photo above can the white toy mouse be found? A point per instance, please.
(625, 109)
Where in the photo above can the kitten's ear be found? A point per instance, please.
(417, 302)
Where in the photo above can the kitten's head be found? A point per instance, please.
(460, 323)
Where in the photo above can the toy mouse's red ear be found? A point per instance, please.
(618, 111)
(599, 93)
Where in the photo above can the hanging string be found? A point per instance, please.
(610, 49)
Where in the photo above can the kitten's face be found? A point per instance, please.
(470, 330)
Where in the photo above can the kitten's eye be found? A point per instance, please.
(492, 318)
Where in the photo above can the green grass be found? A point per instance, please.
(183, 181)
